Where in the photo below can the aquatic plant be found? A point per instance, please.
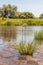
(39, 36)
(26, 49)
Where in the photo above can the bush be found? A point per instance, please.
(8, 23)
(26, 49)
(20, 22)
(39, 37)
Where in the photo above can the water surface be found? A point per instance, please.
(16, 34)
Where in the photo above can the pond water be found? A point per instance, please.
(17, 34)
(27, 33)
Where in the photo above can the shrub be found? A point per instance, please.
(8, 23)
(39, 36)
(26, 49)
(19, 22)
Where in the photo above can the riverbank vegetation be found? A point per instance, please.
(20, 22)
(9, 15)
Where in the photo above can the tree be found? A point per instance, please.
(9, 10)
(41, 16)
(0, 12)
(26, 15)
(4, 11)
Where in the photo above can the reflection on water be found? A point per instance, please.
(16, 34)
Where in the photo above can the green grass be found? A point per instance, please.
(26, 49)
(18, 22)
(39, 37)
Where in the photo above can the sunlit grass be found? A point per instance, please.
(26, 49)
(21, 21)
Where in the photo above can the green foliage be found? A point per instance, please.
(11, 12)
(39, 35)
(41, 16)
(31, 48)
(19, 22)
(8, 11)
(26, 15)
(26, 49)
(8, 23)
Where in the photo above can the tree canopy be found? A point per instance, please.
(11, 12)
(8, 10)
(41, 16)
